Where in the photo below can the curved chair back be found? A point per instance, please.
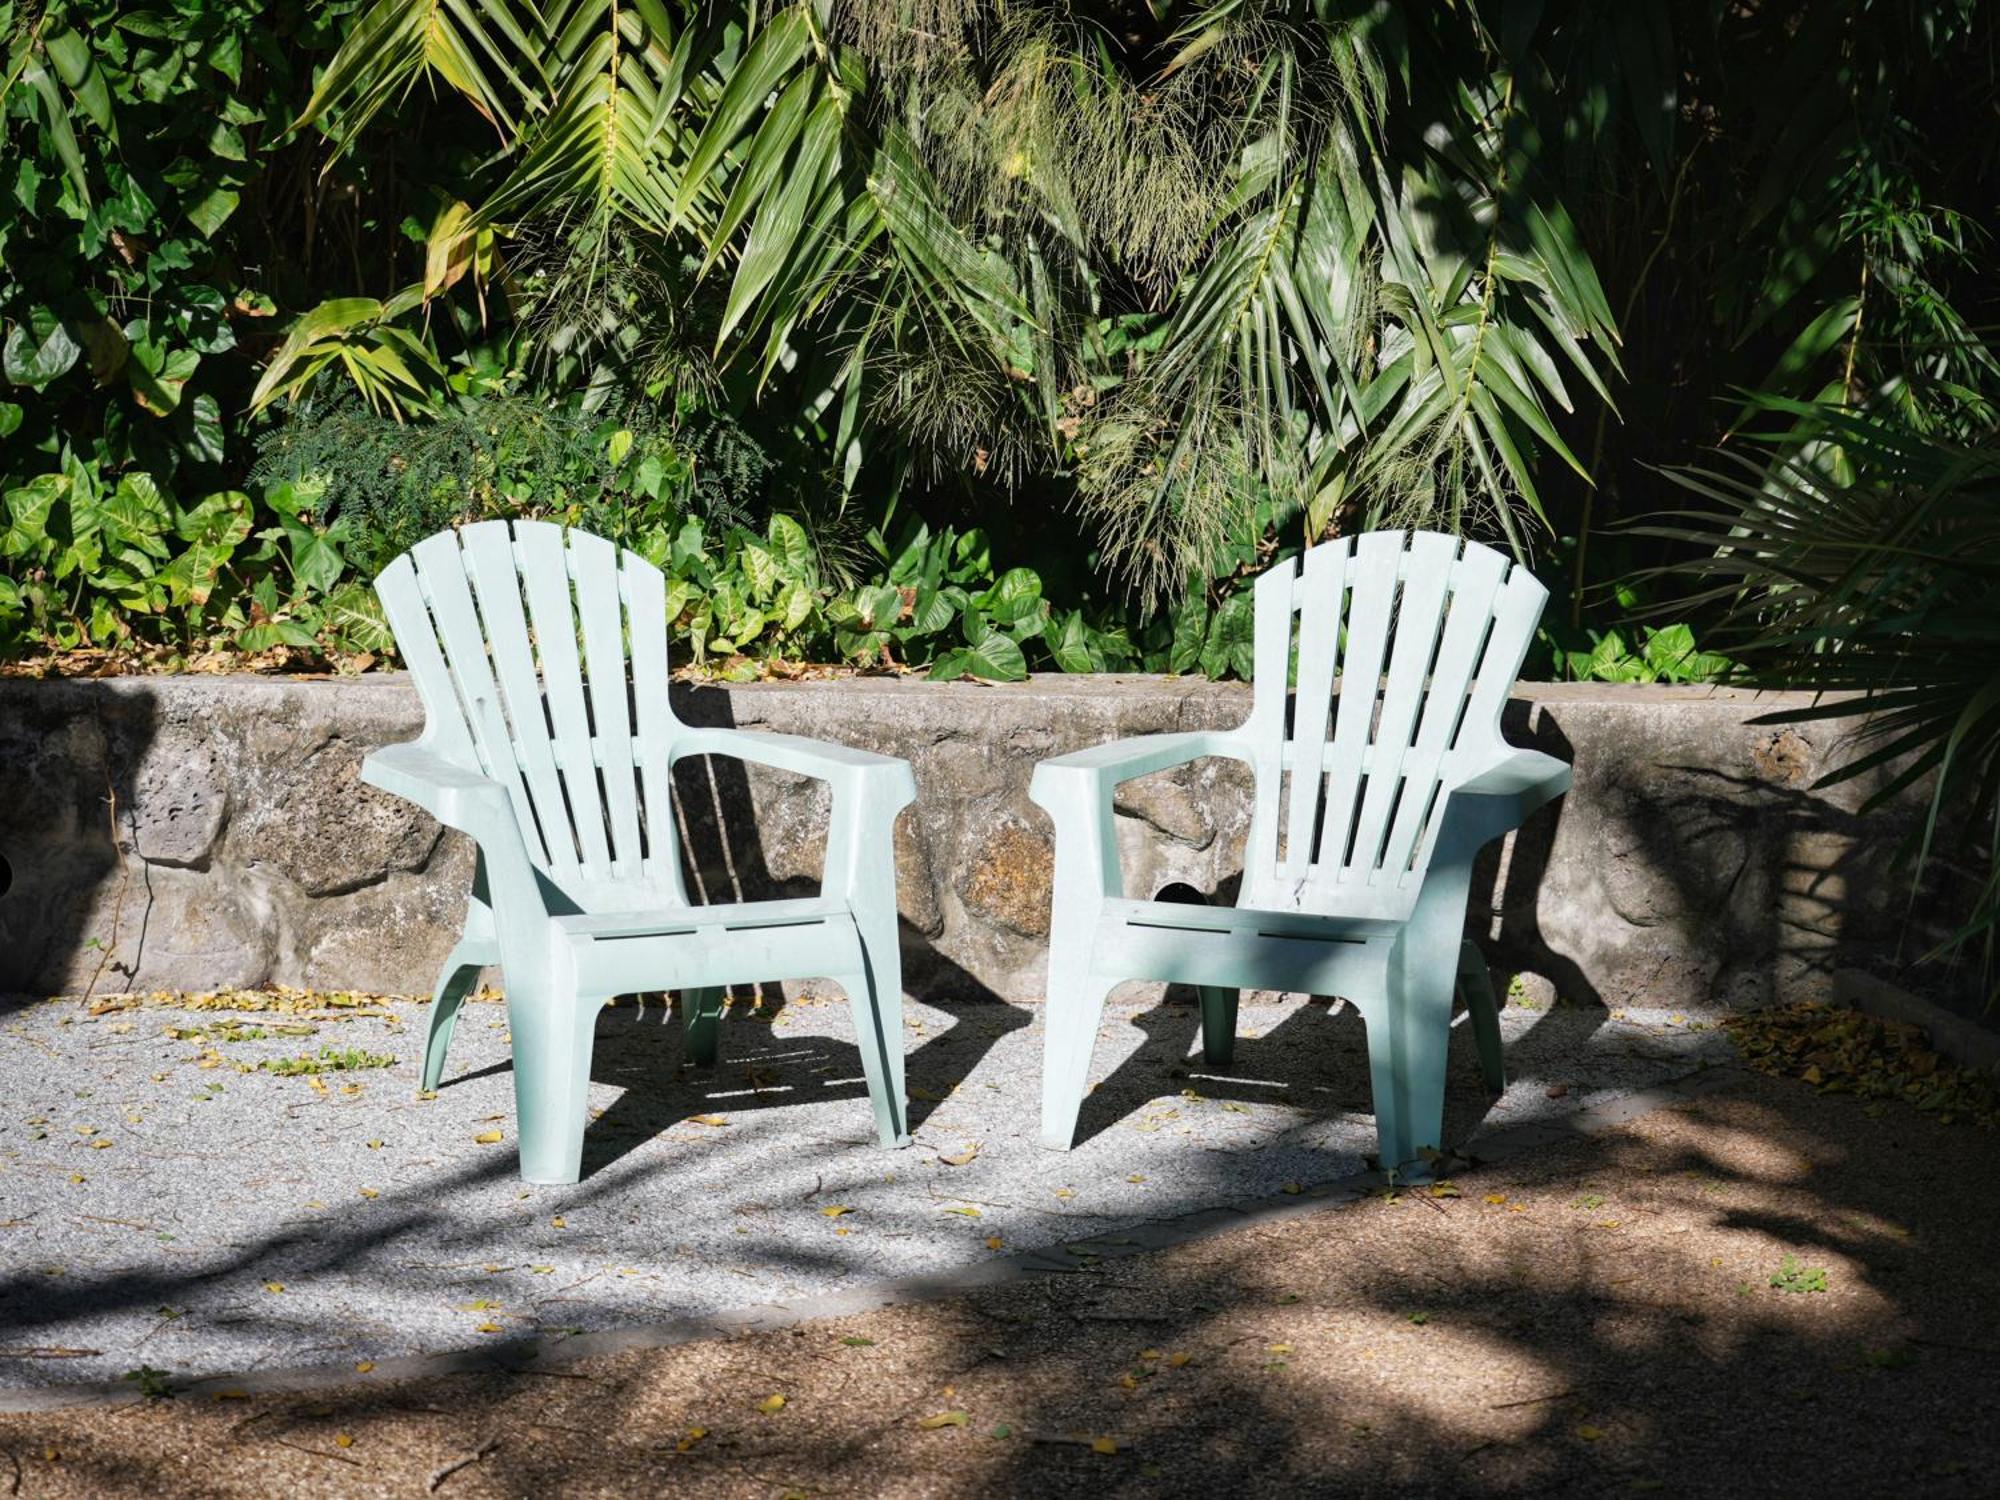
(541, 657)
(1407, 645)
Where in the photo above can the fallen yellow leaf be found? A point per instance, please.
(707, 1120)
(1590, 1434)
(363, 1366)
(274, 1286)
(1496, 1197)
(994, 1242)
(371, 1192)
(559, 1222)
(100, 1144)
(489, 1138)
(943, 1419)
(487, 1328)
(1294, 1188)
(1278, 1348)
(835, 1210)
(970, 1213)
(343, 1440)
(1179, 1361)
(965, 1155)
(1104, 1445)
(771, 1403)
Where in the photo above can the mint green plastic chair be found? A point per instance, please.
(541, 657)
(1371, 800)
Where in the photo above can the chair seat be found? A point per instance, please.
(619, 952)
(691, 921)
(1217, 945)
(1249, 921)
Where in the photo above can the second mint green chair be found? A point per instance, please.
(1371, 800)
(541, 658)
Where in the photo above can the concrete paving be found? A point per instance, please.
(167, 1203)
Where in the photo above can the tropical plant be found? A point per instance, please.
(1853, 554)
(1248, 254)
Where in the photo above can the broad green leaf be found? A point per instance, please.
(997, 659)
(39, 350)
(1016, 595)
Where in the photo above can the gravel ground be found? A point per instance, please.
(1598, 1318)
(162, 1207)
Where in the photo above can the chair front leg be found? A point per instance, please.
(1409, 1031)
(555, 1032)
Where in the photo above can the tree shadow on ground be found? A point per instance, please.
(1598, 1318)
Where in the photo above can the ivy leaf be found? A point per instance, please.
(1072, 647)
(994, 659)
(39, 350)
(212, 209)
(1014, 597)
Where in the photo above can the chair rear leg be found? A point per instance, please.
(454, 984)
(875, 1000)
(555, 1031)
(1218, 1025)
(701, 1011)
(1476, 985)
(1408, 1038)
(1075, 1007)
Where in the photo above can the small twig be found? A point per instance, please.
(1531, 1401)
(1113, 1317)
(439, 1476)
(15, 1487)
(339, 1458)
(255, 1416)
(47, 1351)
(118, 905)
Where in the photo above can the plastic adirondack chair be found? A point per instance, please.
(557, 762)
(1361, 843)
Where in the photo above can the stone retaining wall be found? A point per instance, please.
(194, 833)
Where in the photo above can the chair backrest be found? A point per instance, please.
(517, 635)
(1425, 633)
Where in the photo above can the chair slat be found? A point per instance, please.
(1475, 581)
(1375, 573)
(1271, 658)
(594, 565)
(646, 607)
(441, 567)
(1420, 612)
(417, 639)
(489, 562)
(1325, 585)
(544, 565)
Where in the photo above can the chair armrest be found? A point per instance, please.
(475, 805)
(868, 791)
(456, 797)
(1109, 765)
(792, 752)
(1076, 792)
(1499, 798)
